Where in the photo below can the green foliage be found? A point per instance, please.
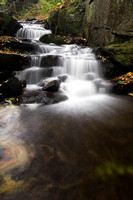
(40, 10)
(3, 2)
(112, 170)
(46, 6)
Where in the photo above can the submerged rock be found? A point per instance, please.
(89, 76)
(41, 97)
(62, 77)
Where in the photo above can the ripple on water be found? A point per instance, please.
(13, 154)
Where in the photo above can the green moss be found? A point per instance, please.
(89, 12)
(52, 39)
(123, 53)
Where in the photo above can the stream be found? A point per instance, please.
(77, 149)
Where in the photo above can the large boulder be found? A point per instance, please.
(42, 97)
(68, 20)
(49, 61)
(121, 53)
(13, 62)
(12, 87)
(63, 77)
(52, 39)
(50, 85)
(15, 44)
(115, 59)
(8, 25)
(106, 21)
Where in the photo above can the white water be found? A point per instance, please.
(31, 31)
(78, 63)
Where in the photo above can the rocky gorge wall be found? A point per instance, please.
(107, 24)
(68, 19)
(108, 21)
(100, 21)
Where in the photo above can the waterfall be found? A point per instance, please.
(31, 31)
(77, 63)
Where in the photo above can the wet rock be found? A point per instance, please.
(12, 87)
(57, 96)
(52, 39)
(8, 25)
(89, 76)
(121, 89)
(63, 77)
(100, 84)
(122, 84)
(18, 44)
(41, 97)
(97, 81)
(10, 62)
(23, 83)
(114, 59)
(105, 85)
(4, 75)
(13, 62)
(51, 85)
(33, 97)
(49, 61)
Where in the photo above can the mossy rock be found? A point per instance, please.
(121, 53)
(53, 21)
(8, 25)
(68, 20)
(12, 62)
(52, 39)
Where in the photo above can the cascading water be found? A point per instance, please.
(78, 64)
(31, 31)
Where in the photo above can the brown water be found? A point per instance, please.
(68, 151)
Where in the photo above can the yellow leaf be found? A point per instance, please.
(6, 81)
(129, 74)
(131, 94)
(12, 99)
(58, 4)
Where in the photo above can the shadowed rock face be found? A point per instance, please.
(106, 20)
(100, 21)
(8, 25)
(69, 19)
